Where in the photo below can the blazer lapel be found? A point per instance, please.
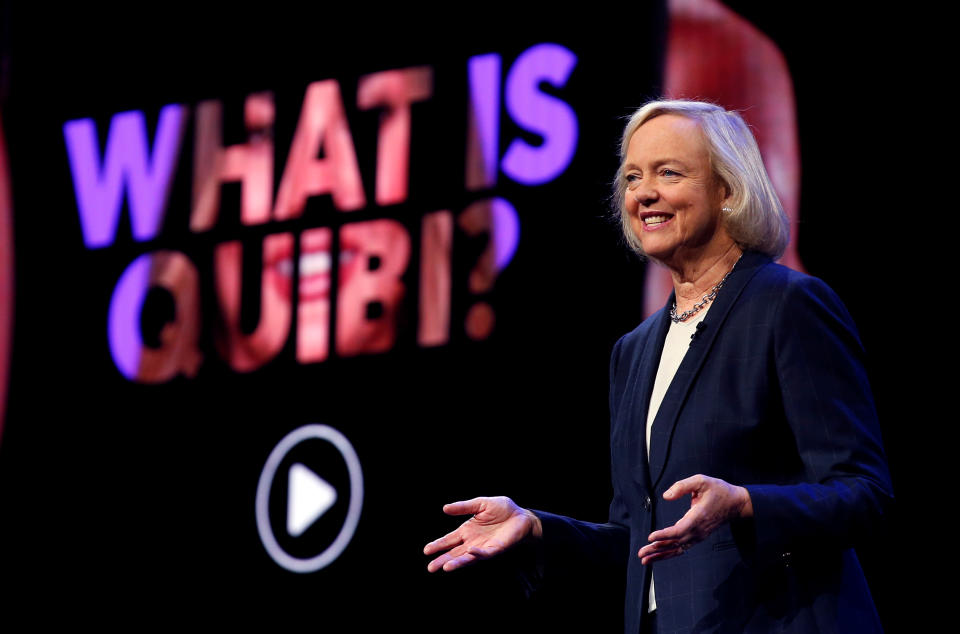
(644, 375)
(666, 420)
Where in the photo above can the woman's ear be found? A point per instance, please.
(727, 192)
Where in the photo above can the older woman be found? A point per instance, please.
(746, 392)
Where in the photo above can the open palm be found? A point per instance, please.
(496, 525)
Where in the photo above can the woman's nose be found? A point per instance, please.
(644, 193)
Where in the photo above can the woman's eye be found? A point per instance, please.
(632, 180)
(668, 172)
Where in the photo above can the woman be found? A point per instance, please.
(746, 392)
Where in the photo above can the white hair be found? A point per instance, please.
(757, 220)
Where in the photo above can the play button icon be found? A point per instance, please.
(308, 497)
(321, 512)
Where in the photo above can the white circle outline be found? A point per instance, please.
(332, 551)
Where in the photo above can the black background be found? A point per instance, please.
(126, 503)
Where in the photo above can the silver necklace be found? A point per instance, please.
(703, 302)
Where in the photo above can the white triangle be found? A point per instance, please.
(308, 497)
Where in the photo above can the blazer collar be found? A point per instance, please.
(663, 425)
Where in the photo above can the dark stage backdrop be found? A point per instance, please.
(186, 437)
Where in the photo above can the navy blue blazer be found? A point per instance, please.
(771, 395)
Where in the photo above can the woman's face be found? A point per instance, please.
(673, 198)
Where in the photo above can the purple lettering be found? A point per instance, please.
(483, 138)
(542, 114)
(127, 163)
(177, 352)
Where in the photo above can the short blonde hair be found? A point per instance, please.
(757, 221)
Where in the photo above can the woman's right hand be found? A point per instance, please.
(497, 524)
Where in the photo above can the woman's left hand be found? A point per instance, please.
(713, 502)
